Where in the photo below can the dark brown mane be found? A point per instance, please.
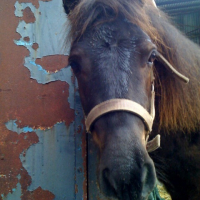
(178, 104)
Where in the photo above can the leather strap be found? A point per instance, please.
(119, 105)
(153, 144)
(171, 68)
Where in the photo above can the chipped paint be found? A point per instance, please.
(93, 190)
(53, 63)
(42, 145)
(45, 48)
(39, 68)
(15, 194)
(12, 126)
(55, 146)
(80, 150)
(28, 15)
(46, 17)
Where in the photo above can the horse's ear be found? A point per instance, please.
(154, 3)
(69, 5)
(149, 2)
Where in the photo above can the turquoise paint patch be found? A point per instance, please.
(39, 67)
(27, 129)
(12, 126)
(23, 43)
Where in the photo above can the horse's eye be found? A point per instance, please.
(75, 66)
(152, 57)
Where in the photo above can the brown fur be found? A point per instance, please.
(178, 104)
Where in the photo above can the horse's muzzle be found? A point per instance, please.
(125, 170)
(128, 182)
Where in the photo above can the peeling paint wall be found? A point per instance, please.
(42, 138)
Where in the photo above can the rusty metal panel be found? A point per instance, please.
(42, 139)
(94, 192)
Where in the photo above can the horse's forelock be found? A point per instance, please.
(86, 12)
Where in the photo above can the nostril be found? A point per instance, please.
(105, 173)
(108, 179)
(109, 185)
(148, 179)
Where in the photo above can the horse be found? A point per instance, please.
(130, 62)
